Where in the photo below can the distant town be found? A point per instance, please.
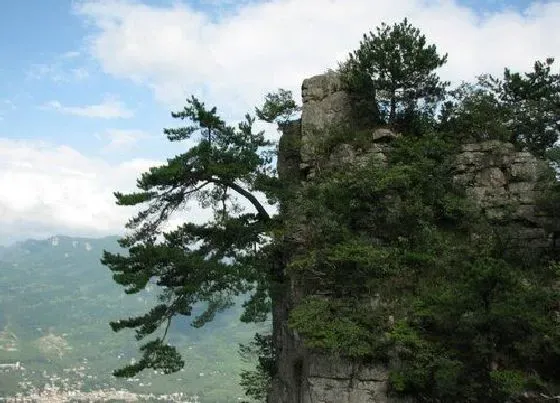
(58, 389)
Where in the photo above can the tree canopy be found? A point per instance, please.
(208, 262)
(521, 108)
(278, 107)
(398, 67)
(468, 318)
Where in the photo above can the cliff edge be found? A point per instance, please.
(504, 182)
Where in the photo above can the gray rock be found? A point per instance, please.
(325, 104)
(501, 180)
(383, 135)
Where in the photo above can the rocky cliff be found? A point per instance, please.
(503, 181)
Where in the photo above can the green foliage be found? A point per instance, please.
(521, 108)
(257, 306)
(257, 382)
(278, 107)
(485, 316)
(534, 105)
(553, 157)
(475, 114)
(204, 119)
(156, 355)
(549, 200)
(424, 365)
(463, 318)
(396, 66)
(334, 325)
(507, 383)
(212, 262)
(376, 222)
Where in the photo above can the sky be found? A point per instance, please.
(87, 86)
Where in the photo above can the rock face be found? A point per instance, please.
(325, 102)
(503, 182)
(304, 376)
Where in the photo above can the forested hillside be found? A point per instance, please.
(55, 304)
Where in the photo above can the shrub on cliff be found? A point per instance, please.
(404, 280)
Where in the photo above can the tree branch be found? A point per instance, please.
(250, 197)
(166, 328)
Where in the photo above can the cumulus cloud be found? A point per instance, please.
(235, 61)
(49, 189)
(108, 109)
(54, 189)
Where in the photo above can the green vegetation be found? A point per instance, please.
(398, 265)
(520, 108)
(467, 318)
(393, 69)
(55, 302)
(278, 107)
(256, 381)
(211, 263)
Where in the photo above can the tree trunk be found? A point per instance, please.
(393, 110)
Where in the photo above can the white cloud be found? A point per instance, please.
(71, 54)
(109, 108)
(65, 67)
(122, 139)
(50, 189)
(234, 62)
(79, 73)
(55, 189)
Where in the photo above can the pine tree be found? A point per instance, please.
(210, 262)
(521, 108)
(533, 102)
(398, 66)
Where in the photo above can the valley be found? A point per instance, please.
(56, 301)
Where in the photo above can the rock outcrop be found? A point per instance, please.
(502, 180)
(324, 103)
(505, 184)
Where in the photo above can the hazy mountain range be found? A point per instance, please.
(56, 301)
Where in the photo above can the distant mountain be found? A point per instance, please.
(58, 247)
(56, 301)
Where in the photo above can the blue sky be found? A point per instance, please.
(47, 62)
(87, 85)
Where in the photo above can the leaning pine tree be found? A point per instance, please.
(211, 262)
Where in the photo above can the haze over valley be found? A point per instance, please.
(56, 301)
